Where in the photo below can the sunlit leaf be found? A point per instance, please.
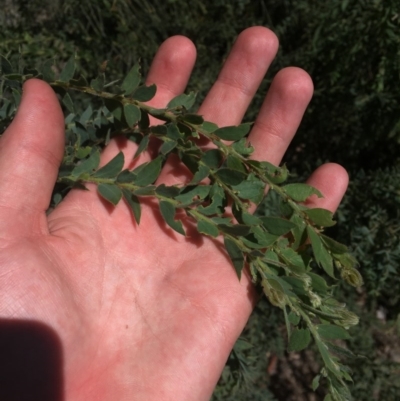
(230, 177)
(183, 100)
(205, 227)
(322, 256)
(112, 168)
(132, 80)
(190, 193)
(168, 146)
(242, 147)
(300, 192)
(132, 114)
(125, 176)
(212, 158)
(320, 217)
(167, 210)
(233, 133)
(147, 173)
(144, 93)
(87, 166)
(277, 225)
(216, 206)
(200, 174)
(110, 193)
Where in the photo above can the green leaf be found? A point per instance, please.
(205, 227)
(347, 260)
(322, 256)
(201, 173)
(299, 340)
(144, 93)
(98, 83)
(249, 219)
(318, 283)
(183, 100)
(333, 246)
(47, 71)
(167, 191)
(340, 351)
(125, 176)
(147, 173)
(194, 119)
(251, 190)
(133, 203)
(110, 193)
(235, 254)
(80, 82)
(293, 259)
(300, 192)
(132, 114)
(217, 196)
(235, 229)
(235, 163)
(167, 210)
(332, 332)
(233, 133)
(115, 107)
(212, 158)
(144, 143)
(87, 166)
(263, 238)
(112, 168)
(132, 80)
(173, 132)
(5, 66)
(145, 191)
(68, 71)
(320, 217)
(328, 360)
(86, 115)
(242, 147)
(315, 382)
(277, 225)
(230, 177)
(168, 146)
(191, 193)
(293, 318)
(209, 127)
(68, 103)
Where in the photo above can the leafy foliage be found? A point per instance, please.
(284, 252)
(350, 48)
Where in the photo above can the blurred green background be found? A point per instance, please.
(351, 49)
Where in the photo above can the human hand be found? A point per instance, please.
(138, 313)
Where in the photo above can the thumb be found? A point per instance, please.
(31, 150)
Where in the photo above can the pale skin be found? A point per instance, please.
(141, 312)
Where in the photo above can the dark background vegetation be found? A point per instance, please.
(351, 49)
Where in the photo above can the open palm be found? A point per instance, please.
(140, 312)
